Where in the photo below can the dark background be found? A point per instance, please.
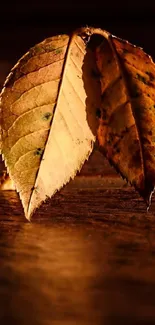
(22, 24)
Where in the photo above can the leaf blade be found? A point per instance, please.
(33, 150)
(70, 106)
(133, 159)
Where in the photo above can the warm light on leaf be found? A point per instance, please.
(64, 92)
(46, 136)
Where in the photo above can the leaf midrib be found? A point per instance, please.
(62, 76)
(118, 61)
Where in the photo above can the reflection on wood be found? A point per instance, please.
(86, 259)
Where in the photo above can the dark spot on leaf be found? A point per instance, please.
(98, 113)
(50, 48)
(38, 152)
(151, 107)
(151, 76)
(141, 78)
(150, 132)
(148, 95)
(78, 141)
(58, 51)
(47, 116)
(38, 49)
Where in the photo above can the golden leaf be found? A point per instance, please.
(48, 122)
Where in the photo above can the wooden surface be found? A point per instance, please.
(87, 258)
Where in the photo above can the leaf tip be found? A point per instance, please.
(28, 214)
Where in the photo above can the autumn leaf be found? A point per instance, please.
(49, 106)
(126, 133)
(48, 121)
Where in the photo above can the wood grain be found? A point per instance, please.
(87, 258)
